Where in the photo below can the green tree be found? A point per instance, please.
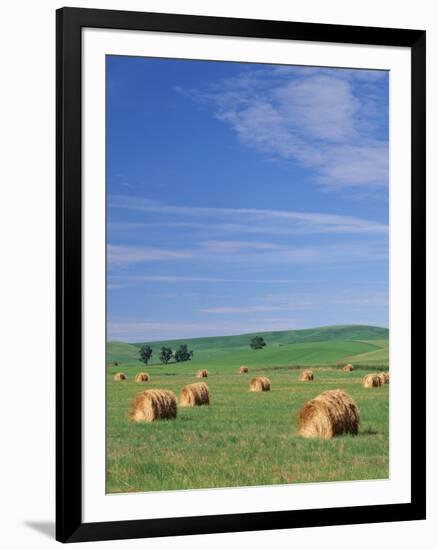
(257, 342)
(145, 353)
(182, 354)
(165, 355)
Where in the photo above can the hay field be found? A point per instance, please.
(246, 438)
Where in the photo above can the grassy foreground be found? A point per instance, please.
(246, 438)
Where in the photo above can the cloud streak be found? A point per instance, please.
(239, 252)
(249, 220)
(346, 299)
(249, 254)
(125, 255)
(189, 279)
(242, 309)
(331, 121)
(140, 330)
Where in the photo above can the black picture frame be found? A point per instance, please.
(69, 525)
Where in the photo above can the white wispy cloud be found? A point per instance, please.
(256, 220)
(242, 309)
(189, 279)
(321, 106)
(115, 286)
(250, 253)
(137, 330)
(261, 253)
(345, 297)
(271, 253)
(125, 255)
(348, 300)
(314, 116)
(230, 247)
(125, 226)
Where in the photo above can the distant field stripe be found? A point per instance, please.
(377, 356)
(377, 343)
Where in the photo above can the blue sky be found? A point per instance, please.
(244, 197)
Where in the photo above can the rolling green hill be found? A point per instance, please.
(359, 343)
(244, 438)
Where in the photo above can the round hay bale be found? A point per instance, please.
(260, 383)
(194, 395)
(348, 368)
(372, 381)
(331, 413)
(202, 374)
(119, 376)
(306, 375)
(243, 369)
(142, 377)
(384, 377)
(151, 405)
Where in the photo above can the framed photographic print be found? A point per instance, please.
(240, 274)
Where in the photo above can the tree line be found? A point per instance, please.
(166, 354)
(183, 354)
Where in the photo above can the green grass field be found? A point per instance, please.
(246, 438)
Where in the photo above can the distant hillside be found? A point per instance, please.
(125, 352)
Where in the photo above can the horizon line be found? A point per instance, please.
(244, 334)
